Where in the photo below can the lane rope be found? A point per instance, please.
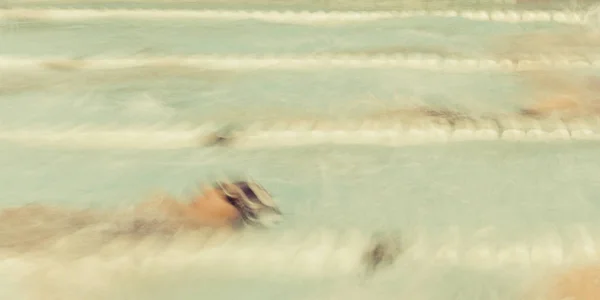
(303, 62)
(301, 133)
(300, 17)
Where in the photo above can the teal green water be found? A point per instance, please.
(450, 36)
(521, 190)
(339, 186)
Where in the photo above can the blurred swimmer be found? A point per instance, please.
(556, 96)
(563, 107)
(224, 205)
(562, 95)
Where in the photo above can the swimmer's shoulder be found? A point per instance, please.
(160, 204)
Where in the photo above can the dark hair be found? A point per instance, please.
(249, 199)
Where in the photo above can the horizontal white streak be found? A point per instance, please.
(301, 62)
(307, 17)
(424, 131)
(318, 254)
(150, 137)
(290, 134)
(576, 243)
(325, 253)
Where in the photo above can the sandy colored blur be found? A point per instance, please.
(36, 227)
(571, 41)
(581, 282)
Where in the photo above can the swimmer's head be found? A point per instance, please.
(254, 203)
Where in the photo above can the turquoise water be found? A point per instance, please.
(451, 36)
(518, 191)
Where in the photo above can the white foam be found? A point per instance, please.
(419, 61)
(298, 17)
(292, 254)
(319, 254)
(291, 134)
(408, 133)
